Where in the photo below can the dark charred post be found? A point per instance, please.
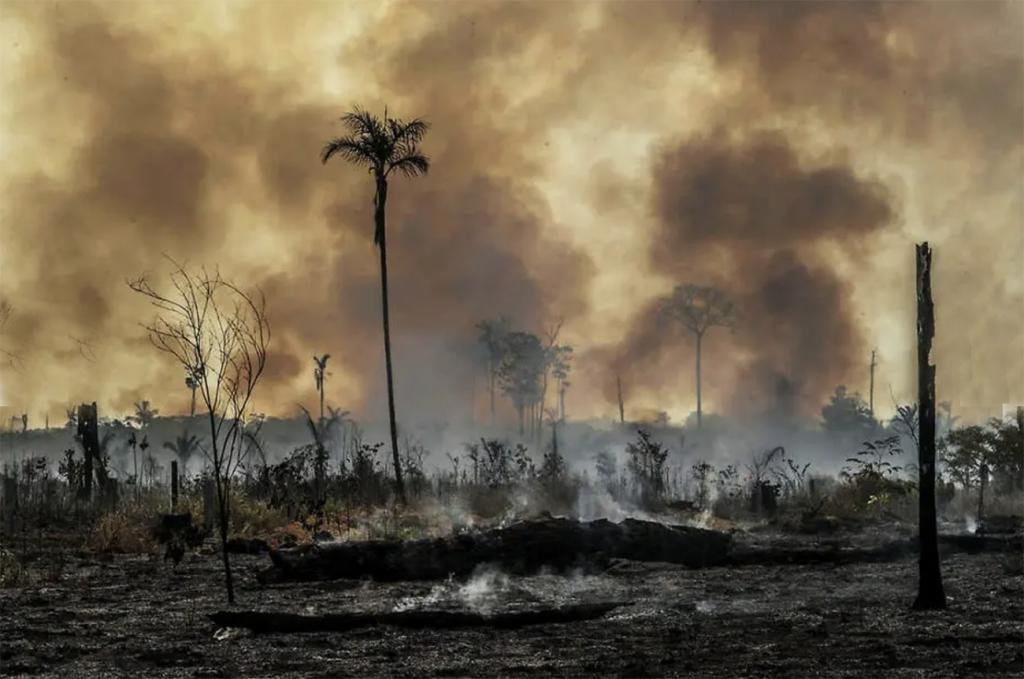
(174, 486)
(10, 504)
(931, 594)
(622, 408)
(982, 484)
(88, 434)
(871, 387)
(209, 504)
(1020, 430)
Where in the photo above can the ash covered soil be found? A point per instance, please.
(119, 615)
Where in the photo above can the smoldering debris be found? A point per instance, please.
(522, 547)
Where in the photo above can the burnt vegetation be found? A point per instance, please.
(774, 523)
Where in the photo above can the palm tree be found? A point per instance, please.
(144, 413)
(319, 374)
(192, 382)
(183, 446)
(383, 146)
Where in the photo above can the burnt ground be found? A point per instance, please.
(119, 615)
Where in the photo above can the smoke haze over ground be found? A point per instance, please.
(790, 153)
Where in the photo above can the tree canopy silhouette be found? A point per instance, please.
(698, 308)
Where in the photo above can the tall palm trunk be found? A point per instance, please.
(381, 238)
(700, 337)
(321, 402)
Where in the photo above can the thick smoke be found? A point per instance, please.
(215, 163)
(788, 152)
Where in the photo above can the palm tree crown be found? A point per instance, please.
(383, 145)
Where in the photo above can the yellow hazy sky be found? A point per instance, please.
(586, 158)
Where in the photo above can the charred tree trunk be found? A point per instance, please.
(622, 408)
(931, 594)
(522, 548)
(700, 337)
(224, 503)
(381, 239)
(982, 484)
(88, 434)
(174, 486)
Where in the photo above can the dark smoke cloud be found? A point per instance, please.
(750, 217)
(165, 148)
(202, 144)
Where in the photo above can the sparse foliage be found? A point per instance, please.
(698, 308)
(219, 333)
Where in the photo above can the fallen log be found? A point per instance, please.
(265, 622)
(521, 548)
(836, 553)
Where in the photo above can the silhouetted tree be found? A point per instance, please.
(384, 146)
(183, 446)
(319, 375)
(847, 413)
(144, 414)
(492, 337)
(1006, 441)
(192, 383)
(561, 364)
(520, 371)
(220, 334)
(11, 359)
(698, 308)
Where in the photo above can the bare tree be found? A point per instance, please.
(698, 308)
(12, 359)
(220, 334)
(384, 146)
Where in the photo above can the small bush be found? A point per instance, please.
(12, 573)
(123, 531)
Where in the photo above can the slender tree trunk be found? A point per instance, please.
(381, 238)
(223, 508)
(490, 371)
(982, 483)
(700, 338)
(622, 407)
(321, 403)
(224, 511)
(193, 402)
(931, 594)
(174, 486)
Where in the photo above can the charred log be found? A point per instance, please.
(524, 547)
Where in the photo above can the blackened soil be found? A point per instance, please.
(89, 615)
